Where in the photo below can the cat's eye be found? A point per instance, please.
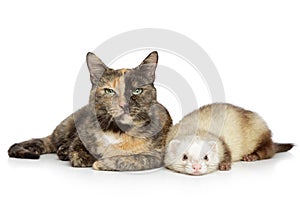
(137, 91)
(109, 91)
(184, 157)
(205, 157)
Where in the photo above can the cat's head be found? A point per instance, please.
(122, 98)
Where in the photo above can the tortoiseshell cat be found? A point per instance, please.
(123, 127)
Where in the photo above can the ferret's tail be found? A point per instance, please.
(282, 147)
(32, 149)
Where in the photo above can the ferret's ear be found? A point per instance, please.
(173, 146)
(213, 146)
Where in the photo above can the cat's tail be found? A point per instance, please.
(32, 149)
(282, 147)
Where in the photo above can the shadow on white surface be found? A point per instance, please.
(57, 179)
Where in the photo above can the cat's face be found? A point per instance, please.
(122, 98)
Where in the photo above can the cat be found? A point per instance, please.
(123, 128)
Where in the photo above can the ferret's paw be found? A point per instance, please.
(225, 166)
(250, 157)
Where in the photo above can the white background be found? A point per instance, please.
(255, 46)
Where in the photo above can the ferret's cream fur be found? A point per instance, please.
(240, 130)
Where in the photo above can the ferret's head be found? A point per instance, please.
(193, 156)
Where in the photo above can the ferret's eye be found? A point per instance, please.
(205, 157)
(184, 157)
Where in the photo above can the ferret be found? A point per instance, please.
(216, 135)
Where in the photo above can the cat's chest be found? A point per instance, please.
(111, 144)
(109, 139)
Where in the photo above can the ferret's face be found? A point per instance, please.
(196, 157)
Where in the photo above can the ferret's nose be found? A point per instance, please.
(196, 167)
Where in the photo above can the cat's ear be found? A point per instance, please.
(148, 66)
(96, 67)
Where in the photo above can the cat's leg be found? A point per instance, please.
(57, 142)
(63, 136)
(129, 163)
(79, 155)
(32, 149)
(63, 151)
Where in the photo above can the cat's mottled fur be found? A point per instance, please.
(123, 127)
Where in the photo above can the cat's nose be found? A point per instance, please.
(123, 104)
(196, 167)
(124, 107)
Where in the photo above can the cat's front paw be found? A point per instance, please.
(63, 152)
(98, 165)
(80, 160)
